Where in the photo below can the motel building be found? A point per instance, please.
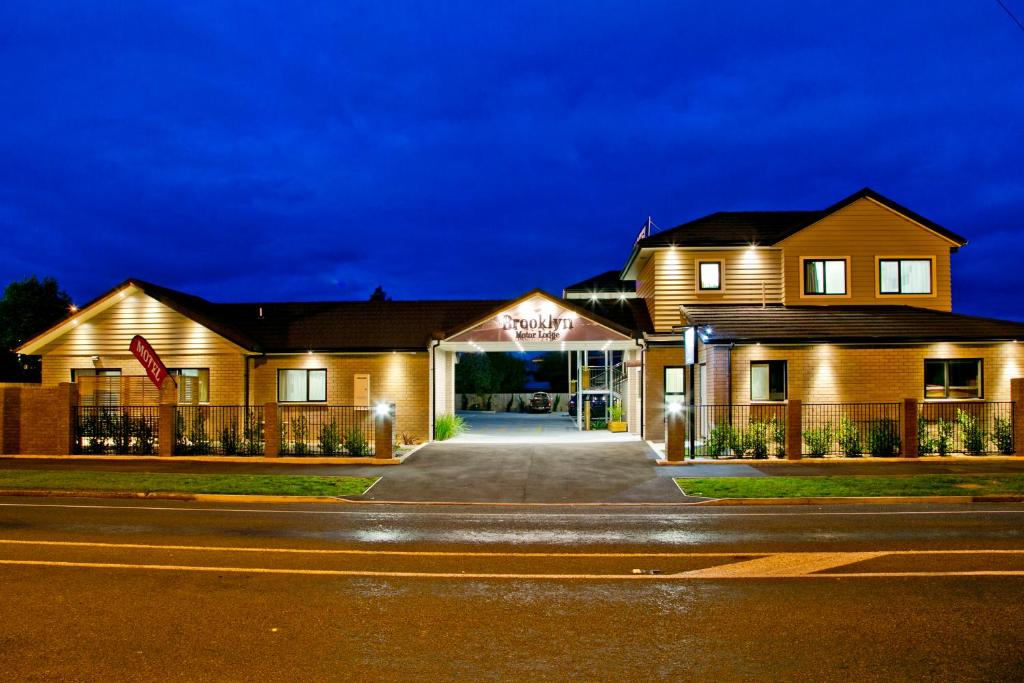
(735, 318)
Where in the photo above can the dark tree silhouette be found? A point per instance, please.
(28, 307)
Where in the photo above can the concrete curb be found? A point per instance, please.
(878, 500)
(259, 460)
(959, 459)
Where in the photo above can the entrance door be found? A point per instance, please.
(361, 390)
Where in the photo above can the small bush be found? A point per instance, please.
(777, 429)
(330, 439)
(756, 440)
(355, 443)
(145, 438)
(716, 444)
(616, 412)
(598, 424)
(229, 442)
(819, 440)
(1002, 435)
(448, 426)
(300, 431)
(925, 444)
(883, 438)
(849, 438)
(252, 435)
(944, 436)
(971, 433)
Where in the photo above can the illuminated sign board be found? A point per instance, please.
(537, 320)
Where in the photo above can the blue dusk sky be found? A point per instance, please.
(304, 150)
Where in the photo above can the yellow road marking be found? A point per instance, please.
(450, 575)
(784, 564)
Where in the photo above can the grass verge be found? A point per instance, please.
(854, 486)
(144, 482)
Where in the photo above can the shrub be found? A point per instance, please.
(330, 439)
(971, 433)
(199, 440)
(925, 444)
(849, 438)
(448, 426)
(300, 431)
(253, 434)
(777, 429)
(756, 440)
(883, 438)
(179, 433)
(229, 442)
(598, 424)
(1002, 435)
(355, 443)
(616, 412)
(145, 439)
(716, 443)
(819, 440)
(944, 436)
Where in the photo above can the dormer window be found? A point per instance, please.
(905, 276)
(709, 276)
(824, 277)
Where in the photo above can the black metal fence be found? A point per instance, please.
(115, 430)
(739, 431)
(968, 427)
(851, 430)
(327, 430)
(218, 430)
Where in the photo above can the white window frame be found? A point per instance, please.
(307, 371)
(721, 276)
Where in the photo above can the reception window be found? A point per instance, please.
(768, 380)
(302, 386)
(953, 379)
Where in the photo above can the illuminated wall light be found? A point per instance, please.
(383, 409)
(73, 308)
(674, 408)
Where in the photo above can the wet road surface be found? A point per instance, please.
(152, 590)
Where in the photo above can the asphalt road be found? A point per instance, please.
(123, 590)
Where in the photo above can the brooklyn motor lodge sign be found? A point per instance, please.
(537, 328)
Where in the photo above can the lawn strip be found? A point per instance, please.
(853, 486)
(145, 482)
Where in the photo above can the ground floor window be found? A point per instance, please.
(194, 387)
(301, 386)
(675, 385)
(952, 378)
(768, 380)
(100, 392)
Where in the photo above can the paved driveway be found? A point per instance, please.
(541, 428)
(531, 473)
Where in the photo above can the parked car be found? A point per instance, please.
(597, 406)
(540, 402)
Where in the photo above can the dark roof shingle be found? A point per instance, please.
(736, 323)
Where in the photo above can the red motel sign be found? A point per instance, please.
(155, 368)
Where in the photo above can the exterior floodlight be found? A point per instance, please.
(675, 407)
(383, 409)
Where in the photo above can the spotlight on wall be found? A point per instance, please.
(73, 308)
(383, 409)
(674, 408)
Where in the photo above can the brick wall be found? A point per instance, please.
(656, 359)
(37, 420)
(399, 378)
(830, 373)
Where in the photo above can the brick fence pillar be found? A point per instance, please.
(908, 445)
(1017, 396)
(165, 428)
(794, 429)
(63, 428)
(675, 435)
(384, 433)
(271, 431)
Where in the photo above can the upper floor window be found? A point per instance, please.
(768, 380)
(301, 386)
(194, 385)
(959, 378)
(825, 277)
(710, 275)
(904, 276)
(675, 385)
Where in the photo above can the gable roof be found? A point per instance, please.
(852, 324)
(330, 326)
(767, 228)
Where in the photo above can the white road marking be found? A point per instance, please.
(477, 576)
(687, 513)
(783, 564)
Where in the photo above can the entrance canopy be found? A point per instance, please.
(540, 322)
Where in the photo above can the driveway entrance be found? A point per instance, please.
(530, 473)
(524, 428)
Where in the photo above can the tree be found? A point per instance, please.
(28, 307)
(489, 373)
(508, 373)
(379, 295)
(553, 369)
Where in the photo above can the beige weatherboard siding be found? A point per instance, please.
(749, 275)
(862, 232)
